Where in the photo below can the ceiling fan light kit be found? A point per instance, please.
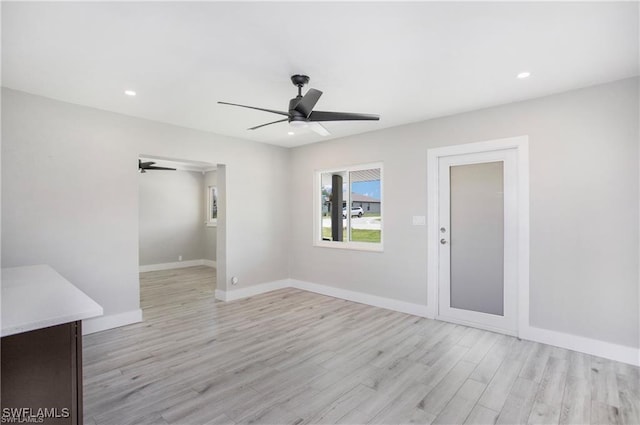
(298, 123)
(301, 113)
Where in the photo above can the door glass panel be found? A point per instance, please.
(477, 237)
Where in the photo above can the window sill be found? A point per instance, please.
(353, 246)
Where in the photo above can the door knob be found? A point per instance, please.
(443, 241)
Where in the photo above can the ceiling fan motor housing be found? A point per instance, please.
(299, 80)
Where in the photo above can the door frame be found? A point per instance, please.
(521, 146)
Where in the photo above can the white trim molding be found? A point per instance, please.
(176, 265)
(595, 347)
(482, 326)
(521, 145)
(362, 298)
(111, 321)
(590, 346)
(251, 291)
(331, 291)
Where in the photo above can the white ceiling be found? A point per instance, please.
(405, 61)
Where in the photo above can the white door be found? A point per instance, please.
(478, 231)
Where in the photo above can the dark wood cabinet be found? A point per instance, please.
(41, 375)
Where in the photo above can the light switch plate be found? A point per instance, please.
(419, 220)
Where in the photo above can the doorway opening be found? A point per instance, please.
(181, 213)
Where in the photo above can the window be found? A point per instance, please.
(212, 206)
(348, 212)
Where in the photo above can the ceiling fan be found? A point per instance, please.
(301, 113)
(143, 166)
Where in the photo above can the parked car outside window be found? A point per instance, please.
(355, 212)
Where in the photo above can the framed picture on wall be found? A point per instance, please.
(212, 206)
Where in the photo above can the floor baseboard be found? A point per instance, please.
(176, 265)
(594, 347)
(210, 263)
(624, 354)
(251, 291)
(608, 350)
(362, 298)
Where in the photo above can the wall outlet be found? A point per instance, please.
(179, 257)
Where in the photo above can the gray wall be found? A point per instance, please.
(210, 232)
(584, 207)
(171, 205)
(70, 199)
(70, 195)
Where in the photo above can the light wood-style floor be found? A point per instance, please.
(294, 357)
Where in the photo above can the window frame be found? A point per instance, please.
(211, 192)
(317, 209)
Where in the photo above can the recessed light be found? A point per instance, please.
(291, 133)
(523, 75)
(129, 92)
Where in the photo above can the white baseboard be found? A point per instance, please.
(476, 325)
(110, 321)
(362, 298)
(595, 347)
(621, 353)
(250, 291)
(176, 265)
(359, 297)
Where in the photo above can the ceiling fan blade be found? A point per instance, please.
(157, 168)
(308, 101)
(316, 127)
(341, 116)
(269, 123)
(145, 164)
(273, 111)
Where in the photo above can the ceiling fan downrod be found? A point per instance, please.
(299, 81)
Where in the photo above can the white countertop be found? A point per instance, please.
(36, 297)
